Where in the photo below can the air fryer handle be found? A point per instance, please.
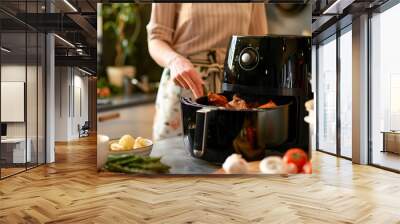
(200, 136)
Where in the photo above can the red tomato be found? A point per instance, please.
(307, 168)
(291, 168)
(296, 156)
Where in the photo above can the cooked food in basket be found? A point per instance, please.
(236, 102)
(217, 100)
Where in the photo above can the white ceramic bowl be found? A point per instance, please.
(142, 151)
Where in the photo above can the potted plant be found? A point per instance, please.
(121, 24)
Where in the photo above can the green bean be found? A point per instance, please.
(153, 166)
(130, 160)
(113, 158)
(135, 164)
(122, 169)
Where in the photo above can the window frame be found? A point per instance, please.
(31, 30)
(381, 9)
(332, 37)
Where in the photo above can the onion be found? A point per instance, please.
(235, 164)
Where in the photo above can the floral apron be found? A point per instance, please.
(167, 120)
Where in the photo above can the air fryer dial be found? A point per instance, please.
(248, 58)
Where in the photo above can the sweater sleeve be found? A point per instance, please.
(258, 23)
(162, 22)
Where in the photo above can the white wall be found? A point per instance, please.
(33, 127)
(61, 103)
(12, 73)
(80, 101)
(71, 107)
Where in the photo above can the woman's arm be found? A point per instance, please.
(160, 32)
(161, 52)
(181, 69)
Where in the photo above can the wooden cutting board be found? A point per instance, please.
(253, 168)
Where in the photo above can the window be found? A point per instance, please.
(326, 96)
(346, 92)
(22, 78)
(334, 109)
(385, 89)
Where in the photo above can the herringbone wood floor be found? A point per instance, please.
(71, 191)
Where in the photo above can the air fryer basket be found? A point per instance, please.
(212, 130)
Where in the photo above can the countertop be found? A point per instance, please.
(118, 102)
(175, 155)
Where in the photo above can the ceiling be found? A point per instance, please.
(330, 15)
(73, 20)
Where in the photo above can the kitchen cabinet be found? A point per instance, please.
(136, 120)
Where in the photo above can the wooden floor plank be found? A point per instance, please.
(71, 191)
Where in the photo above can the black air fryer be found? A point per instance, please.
(258, 69)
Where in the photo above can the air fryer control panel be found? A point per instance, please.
(268, 62)
(248, 58)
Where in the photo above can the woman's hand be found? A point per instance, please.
(184, 75)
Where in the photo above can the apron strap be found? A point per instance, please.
(208, 57)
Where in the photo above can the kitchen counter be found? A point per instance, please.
(119, 102)
(175, 155)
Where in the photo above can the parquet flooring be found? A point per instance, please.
(71, 191)
(10, 171)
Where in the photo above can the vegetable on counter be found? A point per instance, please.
(235, 164)
(294, 161)
(128, 142)
(272, 165)
(125, 163)
(291, 168)
(307, 168)
(297, 157)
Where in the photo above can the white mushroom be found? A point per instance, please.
(235, 164)
(272, 165)
(310, 118)
(309, 105)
